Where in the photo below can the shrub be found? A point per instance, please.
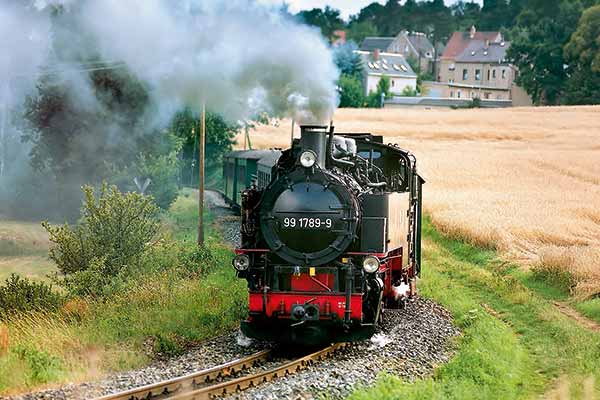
(163, 172)
(198, 260)
(409, 91)
(555, 275)
(20, 295)
(43, 366)
(383, 87)
(168, 345)
(113, 233)
(351, 91)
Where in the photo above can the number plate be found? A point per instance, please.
(307, 223)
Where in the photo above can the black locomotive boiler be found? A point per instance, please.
(332, 239)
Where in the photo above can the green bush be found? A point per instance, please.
(554, 275)
(163, 172)
(351, 91)
(409, 91)
(19, 295)
(112, 235)
(42, 366)
(168, 345)
(383, 87)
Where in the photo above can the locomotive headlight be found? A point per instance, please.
(241, 262)
(308, 159)
(370, 264)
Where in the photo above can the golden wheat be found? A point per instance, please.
(525, 181)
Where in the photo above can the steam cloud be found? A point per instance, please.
(237, 56)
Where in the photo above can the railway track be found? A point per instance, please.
(221, 380)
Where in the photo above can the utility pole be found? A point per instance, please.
(247, 140)
(201, 155)
(292, 135)
(3, 112)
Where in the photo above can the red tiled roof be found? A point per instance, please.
(460, 40)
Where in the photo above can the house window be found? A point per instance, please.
(451, 67)
(477, 74)
(465, 74)
(503, 73)
(451, 93)
(472, 95)
(393, 83)
(450, 80)
(494, 74)
(458, 94)
(488, 78)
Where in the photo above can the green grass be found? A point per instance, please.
(515, 344)
(162, 308)
(557, 289)
(23, 250)
(590, 308)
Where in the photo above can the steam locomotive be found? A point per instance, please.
(330, 235)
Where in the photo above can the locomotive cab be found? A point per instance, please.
(331, 240)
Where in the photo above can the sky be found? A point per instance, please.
(347, 7)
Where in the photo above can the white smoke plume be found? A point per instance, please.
(235, 55)
(238, 56)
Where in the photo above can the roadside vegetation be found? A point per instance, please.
(515, 343)
(117, 308)
(24, 250)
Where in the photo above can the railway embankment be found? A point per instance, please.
(175, 298)
(515, 343)
(501, 336)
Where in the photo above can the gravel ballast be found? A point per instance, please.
(410, 344)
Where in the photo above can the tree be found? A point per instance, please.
(351, 91)
(465, 14)
(220, 135)
(495, 14)
(437, 20)
(359, 30)
(391, 20)
(327, 19)
(383, 91)
(583, 54)
(537, 47)
(347, 60)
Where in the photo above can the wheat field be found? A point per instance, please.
(525, 181)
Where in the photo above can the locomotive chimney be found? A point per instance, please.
(314, 138)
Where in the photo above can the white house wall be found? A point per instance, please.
(397, 84)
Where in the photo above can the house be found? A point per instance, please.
(339, 38)
(474, 65)
(394, 66)
(413, 45)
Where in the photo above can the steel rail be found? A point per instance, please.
(189, 382)
(246, 382)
